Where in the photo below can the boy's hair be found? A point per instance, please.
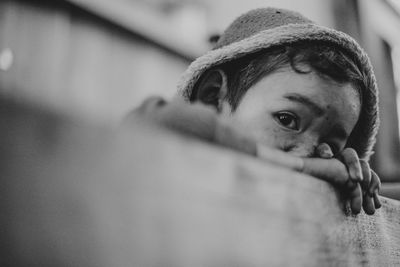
(328, 62)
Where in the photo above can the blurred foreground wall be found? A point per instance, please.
(78, 195)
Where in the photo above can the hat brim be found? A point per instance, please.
(283, 35)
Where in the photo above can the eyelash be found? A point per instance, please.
(281, 116)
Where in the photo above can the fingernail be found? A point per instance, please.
(326, 153)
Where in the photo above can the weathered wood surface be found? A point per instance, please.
(74, 194)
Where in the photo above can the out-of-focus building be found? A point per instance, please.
(101, 58)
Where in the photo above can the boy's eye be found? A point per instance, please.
(287, 120)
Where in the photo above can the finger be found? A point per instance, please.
(324, 151)
(375, 183)
(356, 199)
(350, 185)
(279, 157)
(233, 137)
(352, 162)
(366, 173)
(377, 201)
(330, 170)
(368, 204)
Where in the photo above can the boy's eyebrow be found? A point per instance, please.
(317, 109)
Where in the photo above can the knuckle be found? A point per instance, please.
(351, 186)
(350, 152)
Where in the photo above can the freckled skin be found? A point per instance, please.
(259, 106)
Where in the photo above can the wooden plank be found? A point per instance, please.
(391, 190)
(76, 63)
(139, 18)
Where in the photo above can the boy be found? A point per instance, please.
(276, 81)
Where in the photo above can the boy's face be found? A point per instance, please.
(297, 112)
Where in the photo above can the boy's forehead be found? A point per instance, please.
(310, 90)
(306, 80)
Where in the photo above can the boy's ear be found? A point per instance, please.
(212, 88)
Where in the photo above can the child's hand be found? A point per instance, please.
(371, 185)
(360, 183)
(361, 173)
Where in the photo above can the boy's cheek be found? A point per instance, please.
(296, 146)
(266, 131)
(276, 138)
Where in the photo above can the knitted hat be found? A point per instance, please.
(266, 27)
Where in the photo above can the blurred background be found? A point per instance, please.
(98, 59)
